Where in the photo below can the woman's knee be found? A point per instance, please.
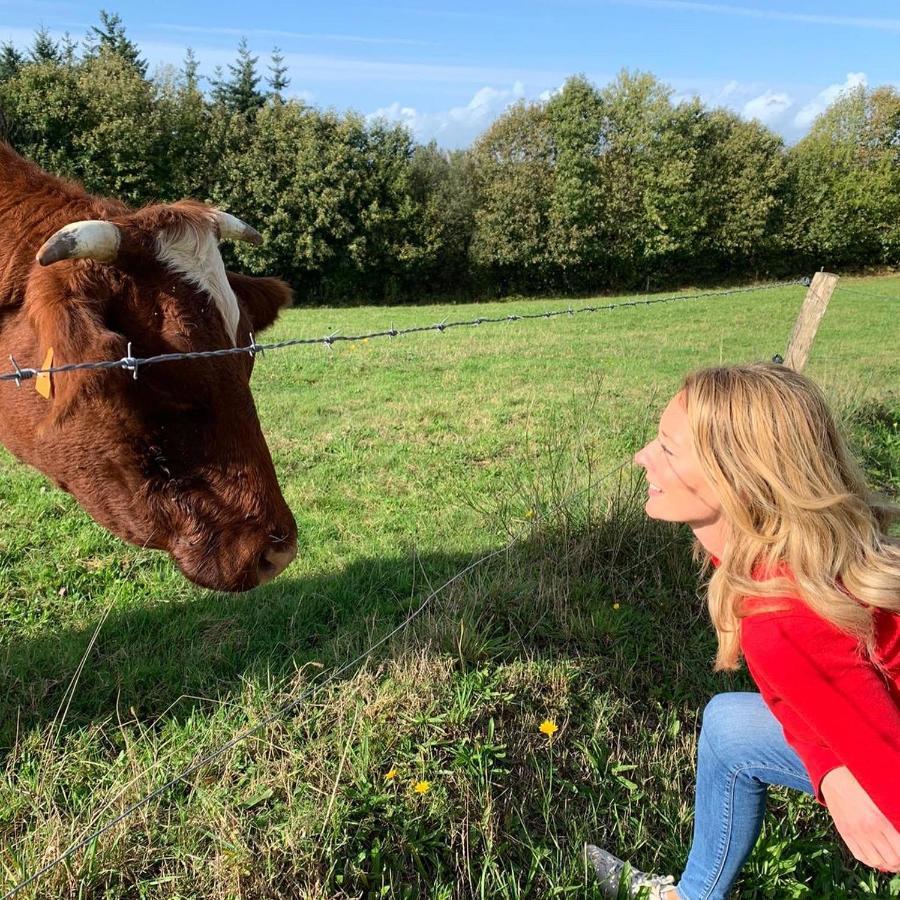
(728, 723)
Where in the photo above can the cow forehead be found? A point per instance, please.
(193, 252)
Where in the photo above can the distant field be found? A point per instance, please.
(403, 460)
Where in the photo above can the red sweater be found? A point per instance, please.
(837, 707)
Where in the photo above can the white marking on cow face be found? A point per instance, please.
(194, 254)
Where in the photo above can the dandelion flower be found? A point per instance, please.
(549, 727)
(616, 605)
(390, 776)
(422, 787)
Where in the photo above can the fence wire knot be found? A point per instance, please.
(129, 363)
(19, 374)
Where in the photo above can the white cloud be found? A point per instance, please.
(459, 125)
(768, 107)
(730, 88)
(825, 98)
(549, 94)
(396, 113)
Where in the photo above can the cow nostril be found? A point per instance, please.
(274, 560)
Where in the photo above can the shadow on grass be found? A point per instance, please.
(590, 578)
(582, 582)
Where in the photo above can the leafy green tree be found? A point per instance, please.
(443, 187)
(45, 112)
(119, 148)
(741, 193)
(575, 120)
(329, 195)
(646, 167)
(845, 182)
(181, 125)
(514, 180)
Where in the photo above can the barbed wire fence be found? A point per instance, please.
(133, 364)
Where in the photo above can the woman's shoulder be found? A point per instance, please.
(759, 608)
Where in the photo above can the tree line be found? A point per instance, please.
(596, 188)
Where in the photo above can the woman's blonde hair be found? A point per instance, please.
(792, 494)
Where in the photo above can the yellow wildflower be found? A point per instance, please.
(422, 787)
(529, 514)
(389, 776)
(616, 605)
(549, 727)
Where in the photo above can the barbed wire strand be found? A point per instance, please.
(283, 710)
(848, 290)
(134, 364)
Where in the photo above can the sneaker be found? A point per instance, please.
(614, 874)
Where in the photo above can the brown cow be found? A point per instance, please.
(174, 460)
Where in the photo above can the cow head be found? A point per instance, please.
(175, 459)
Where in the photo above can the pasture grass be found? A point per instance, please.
(404, 461)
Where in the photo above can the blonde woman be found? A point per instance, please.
(806, 588)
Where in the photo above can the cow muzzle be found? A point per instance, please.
(230, 567)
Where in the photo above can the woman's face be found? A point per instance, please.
(678, 491)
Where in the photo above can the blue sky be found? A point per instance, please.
(448, 69)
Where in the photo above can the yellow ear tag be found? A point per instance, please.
(43, 384)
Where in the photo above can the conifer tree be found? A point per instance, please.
(278, 80)
(110, 37)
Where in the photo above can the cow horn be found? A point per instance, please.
(232, 228)
(92, 239)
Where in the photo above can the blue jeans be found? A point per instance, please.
(741, 752)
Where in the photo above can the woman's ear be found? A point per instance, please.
(261, 298)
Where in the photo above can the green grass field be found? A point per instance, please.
(403, 462)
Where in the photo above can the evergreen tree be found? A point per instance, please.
(278, 81)
(10, 61)
(110, 37)
(68, 50)
(219, 87)
(239, 94)
(44, 49)
(189, 68)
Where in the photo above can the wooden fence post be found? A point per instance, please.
(807, 324)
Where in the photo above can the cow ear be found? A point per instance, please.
(262, 298)
(74, 330)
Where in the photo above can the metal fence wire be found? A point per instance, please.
(133, 364)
